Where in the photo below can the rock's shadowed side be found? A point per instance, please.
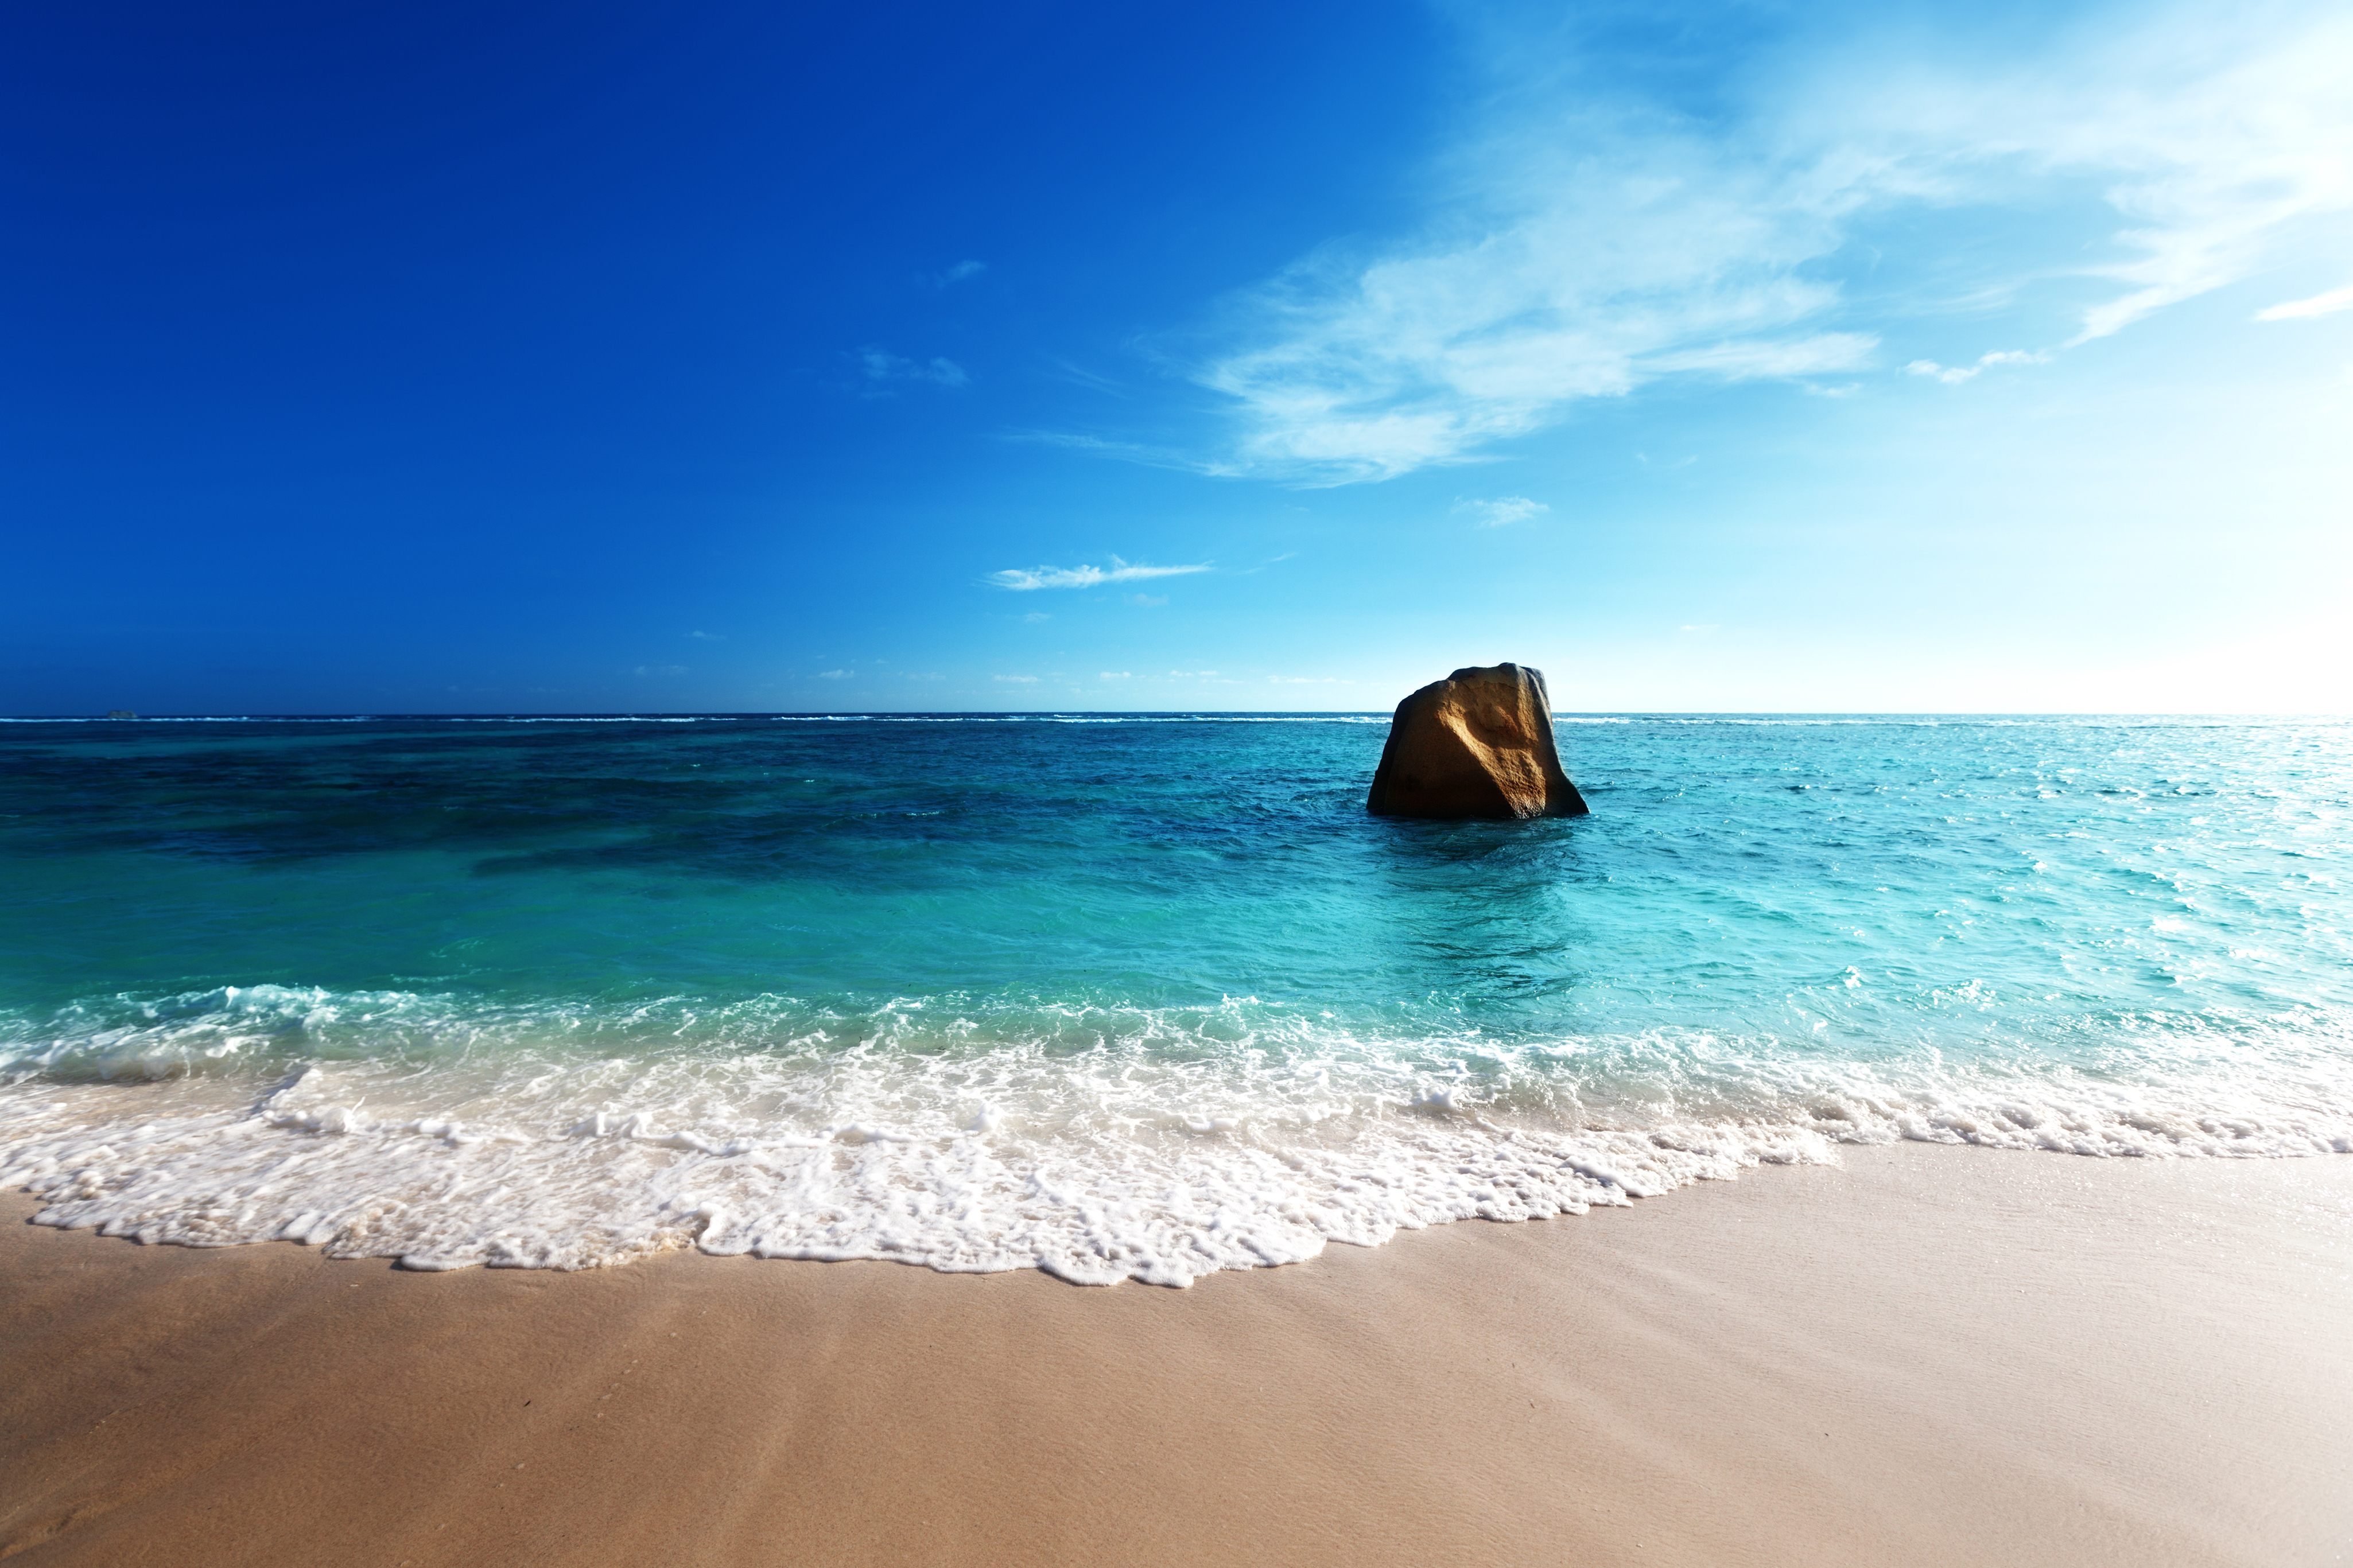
(1477, 743)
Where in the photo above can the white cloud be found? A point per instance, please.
(1953, 375)
(1754, 358)
(2224, 140)
(833, 675)
(962, 270)
(1081, 576)
(1500, 512)
(1592, 254)
(1116, 675)
(706, 637)
(1147, 601)
(1589, 241)
(1021, 679)
(660, 669)
(2227, 137)
(1192, 674)
(2327, 304)
(882, 368)
(1307, 681)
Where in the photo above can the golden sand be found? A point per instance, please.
(1927, 1356)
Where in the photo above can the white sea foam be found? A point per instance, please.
(1098, 1144)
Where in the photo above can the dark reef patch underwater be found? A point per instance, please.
(1125, 995)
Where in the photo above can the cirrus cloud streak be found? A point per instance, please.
(1023, 582)
(1590, 237)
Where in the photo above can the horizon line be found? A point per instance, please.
(361, 716)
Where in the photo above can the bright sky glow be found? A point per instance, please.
(1711, 357)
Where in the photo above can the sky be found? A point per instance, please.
(738, 357)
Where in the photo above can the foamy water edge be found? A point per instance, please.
(505, 1140)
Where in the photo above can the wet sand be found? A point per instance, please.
(1925, 1356)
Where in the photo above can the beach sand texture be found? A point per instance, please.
(1929, 1355)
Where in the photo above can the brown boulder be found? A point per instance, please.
(1477, 743)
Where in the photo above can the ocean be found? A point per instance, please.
(1123, 995)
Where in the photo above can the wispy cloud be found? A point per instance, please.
(1500, 512)
(707, 636)
(1591, 251)
(1144, 454)
(833, 675)
(2327, 304)
(958, 273)
(1078, 375)
(1082, 577)
(1591, 238)
(1016, 680)
(882, 369)
(2228, 137)
(660, 669)
(1953, 375)
(1116, 675)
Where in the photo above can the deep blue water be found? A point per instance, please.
(1049, 968)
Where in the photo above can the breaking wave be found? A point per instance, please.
(1097, 1143)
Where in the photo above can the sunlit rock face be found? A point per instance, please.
(1476, 744)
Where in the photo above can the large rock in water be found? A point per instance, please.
(1477, 743)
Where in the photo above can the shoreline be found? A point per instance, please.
(1924, 1354)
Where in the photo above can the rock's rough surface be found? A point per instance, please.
(1477, 743)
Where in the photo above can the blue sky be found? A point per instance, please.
(604, 358)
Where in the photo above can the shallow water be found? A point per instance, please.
(1123, 995)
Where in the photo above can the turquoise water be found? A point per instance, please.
(1136, 995)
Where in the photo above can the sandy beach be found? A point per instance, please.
(1927, 1356)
